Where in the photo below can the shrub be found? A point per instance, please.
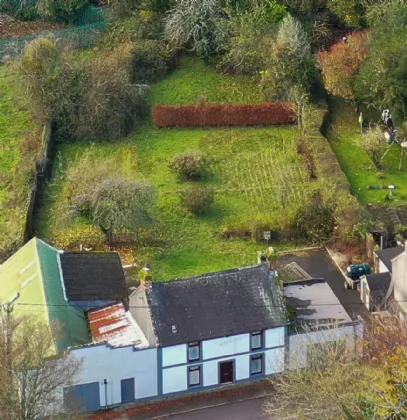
(65, 11)
(198, 199)
(314, 224)
(96, 100)
(223, 115)
(189, 165)
(349, 11)
(24, 10)
(150, 61)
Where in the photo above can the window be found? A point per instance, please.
(194, 376)
(256, 364)
(257, 340)
(193, 351)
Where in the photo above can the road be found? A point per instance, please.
(244, 410)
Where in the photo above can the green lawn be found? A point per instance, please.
(343, 134)
(15, 124)
(246, 167)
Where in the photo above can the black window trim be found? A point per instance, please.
(257, 333)
(257, 356)
(194, 344)
(191, 369)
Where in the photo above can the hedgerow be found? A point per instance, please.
(273, 113)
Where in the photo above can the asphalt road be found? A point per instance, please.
(244, 410)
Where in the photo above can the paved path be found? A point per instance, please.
(243, 410)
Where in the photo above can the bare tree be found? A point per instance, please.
(31, 379)
(373, 143)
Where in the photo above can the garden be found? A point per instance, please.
(256, 174)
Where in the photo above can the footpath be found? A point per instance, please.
(168, 407)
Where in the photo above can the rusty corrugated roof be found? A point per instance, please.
(115, 326)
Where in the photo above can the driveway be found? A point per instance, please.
(318, 264)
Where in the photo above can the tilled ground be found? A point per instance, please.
(12, 28)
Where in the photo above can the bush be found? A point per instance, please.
(65, 11)
(96, 100)
(198, 199)
(274, 113)
(314, 224)
(189, 165)
(24, 10)
(150, 61)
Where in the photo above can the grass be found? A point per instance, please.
(15, 124)
(343, 134)
(248, 166)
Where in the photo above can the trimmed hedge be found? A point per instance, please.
(272, 113)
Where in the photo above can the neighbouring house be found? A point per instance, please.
(317, 317)
(397, 291)
(62, 287)
(170, 338)
(373, 290)
(383, 258)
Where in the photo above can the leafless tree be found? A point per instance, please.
(31, 377)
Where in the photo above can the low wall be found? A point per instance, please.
(272, 113)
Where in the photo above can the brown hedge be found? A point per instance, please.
(271, 113)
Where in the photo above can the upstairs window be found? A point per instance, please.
(194, 351)
(257, 340)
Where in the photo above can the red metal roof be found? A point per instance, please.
(115, 326)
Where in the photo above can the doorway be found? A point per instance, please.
(226, 372)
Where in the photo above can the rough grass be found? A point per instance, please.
(247, 165)
(15, 124)
(343, 134)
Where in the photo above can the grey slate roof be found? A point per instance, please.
(380, 281)
(215, 305)
(387, 254)
(93, 276)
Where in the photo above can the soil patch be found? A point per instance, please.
(11, 28)
(305, 152)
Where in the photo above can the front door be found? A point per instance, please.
(226, 372)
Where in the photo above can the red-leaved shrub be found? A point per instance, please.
(271, 113)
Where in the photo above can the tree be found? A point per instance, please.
(115, 204)
(289, 61)
(350, 12)
(381, 80)
(341, 63)
(373, 143)
(194, 25)
(29, 378)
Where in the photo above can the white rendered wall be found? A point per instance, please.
(274, 361)
(299, 343)
(382, 267)
(211, 369)
(274, 337)
(226, 346)
(115, 364)
(175, 379)
(174, 355)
